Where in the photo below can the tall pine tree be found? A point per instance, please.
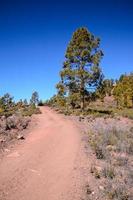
(81, 71)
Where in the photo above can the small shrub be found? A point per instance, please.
(122, 160)
(129, 177)
(117, 191)
(99, 152)
(98, 144)
(130, 147)
(108, 172)
(66, 112)
(111, 139)
(30, 110)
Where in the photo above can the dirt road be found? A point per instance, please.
(47, 165)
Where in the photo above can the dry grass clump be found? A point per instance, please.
(107, 137)
(112, 142)
(11, 126)
(117, 191)
(108, 171)
(126, 113)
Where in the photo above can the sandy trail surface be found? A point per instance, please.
(47, 165)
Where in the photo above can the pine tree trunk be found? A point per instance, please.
(132, 102)
(82, 89)
(82, 103)
(82, 96)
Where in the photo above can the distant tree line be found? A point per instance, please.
(8, 106)
(123, 91)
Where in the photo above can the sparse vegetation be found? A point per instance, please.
(111, 140)
(117, 190)
(108, 171)
(14, 117)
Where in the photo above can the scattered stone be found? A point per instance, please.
(101, 187)
(96, 170)
(2, 140)
(111, 148)
(88, 190)
(20, 137)
(81, 118)
(6, 150)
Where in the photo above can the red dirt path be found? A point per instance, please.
(47, 165)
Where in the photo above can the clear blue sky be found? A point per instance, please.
(34, 36)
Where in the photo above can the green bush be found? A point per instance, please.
(30, 110)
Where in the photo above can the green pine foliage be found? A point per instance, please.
(81, 72)
(34, 98)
